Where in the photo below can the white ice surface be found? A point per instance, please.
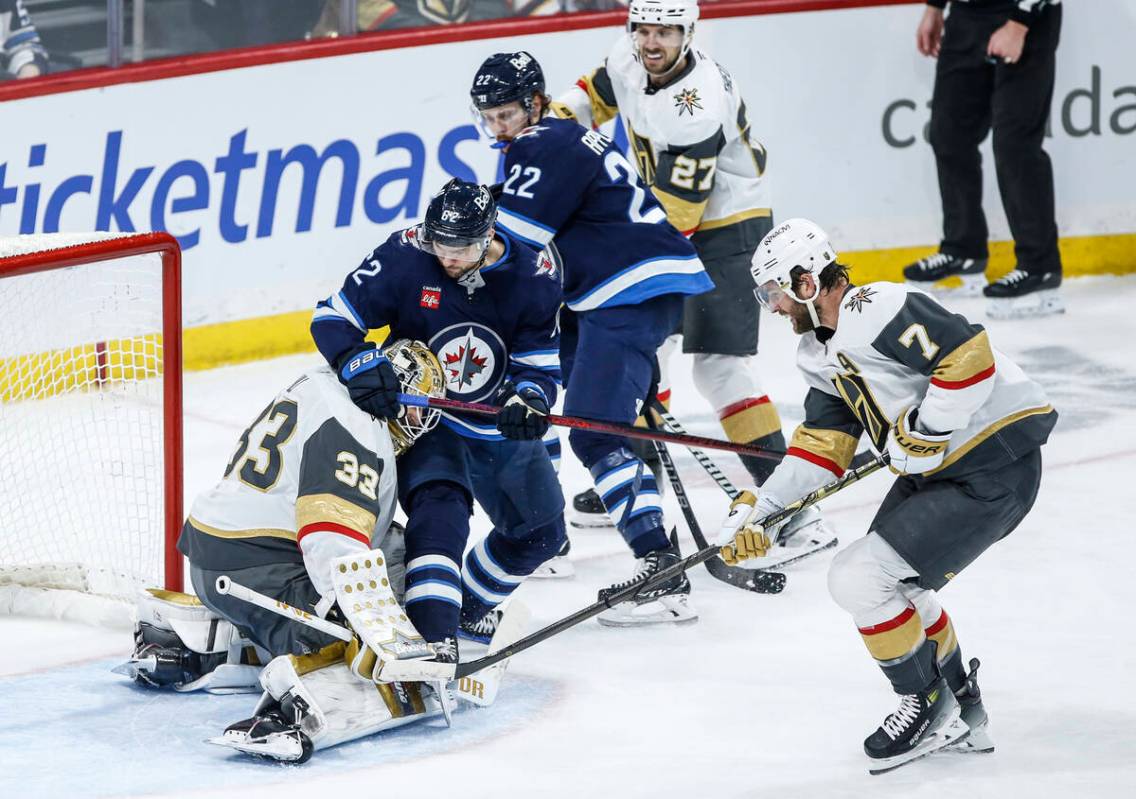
(767, 696)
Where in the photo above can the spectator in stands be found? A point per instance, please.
(375, 15)
(997, 61)
(20, 49)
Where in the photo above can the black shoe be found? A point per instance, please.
(649, 565)
(481, 630)
(935, 267)
(974, 714)
(1021, 293)
(273, 733)
(1018, 283)
(924, 723)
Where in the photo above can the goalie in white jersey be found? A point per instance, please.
(309, 492)
(689, 128)
(963, 426)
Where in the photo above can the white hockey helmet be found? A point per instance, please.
(683, 13)
(792, 244)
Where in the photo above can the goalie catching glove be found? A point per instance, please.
(742, 536)
(914, 449)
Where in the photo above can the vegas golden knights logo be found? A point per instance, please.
(445, 12)
(858, 396)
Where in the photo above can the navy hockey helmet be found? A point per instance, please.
(459, 221)
(505, 77)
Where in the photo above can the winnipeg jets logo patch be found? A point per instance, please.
(862, 297)
(473, 359)
(548, 263)
(686, 101)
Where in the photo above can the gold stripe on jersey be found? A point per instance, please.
(832, 445)
(603, 108)
(966, 361)
(328, 656)
(733, 219)
(314, 508)
(256, 532)
(681, 213)
(559, 109)
(1004, 422)
(175, 597)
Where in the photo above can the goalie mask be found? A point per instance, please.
(679, 13)
(421, 375)
(794, 244)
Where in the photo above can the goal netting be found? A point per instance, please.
(90, 420)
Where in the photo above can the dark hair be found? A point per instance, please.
(829, 277)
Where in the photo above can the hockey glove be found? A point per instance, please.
(524, 416)
(371, 381)
(914, 450)
(741, 535)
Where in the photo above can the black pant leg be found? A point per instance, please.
(1023, 93)
(960, 120)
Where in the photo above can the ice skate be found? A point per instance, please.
(481, 630)
(666, 603)
(927, 272)
(1023, 294)
(924, 723)
(588, 511)
(558, 567)
(274, 733)
(974, 714)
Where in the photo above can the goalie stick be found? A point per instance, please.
(760, 582)
(420, 670)
(735, 575)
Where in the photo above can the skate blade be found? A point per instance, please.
(953, 734)
(664, 610)
(282, 748)
(559, 568)
(786, 556)
(590, 521)
(955, 285)
(1041, 303)
(979, 742)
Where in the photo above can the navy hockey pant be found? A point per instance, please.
(515, 484)
(614, 350)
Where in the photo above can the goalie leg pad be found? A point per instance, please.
(179, 642)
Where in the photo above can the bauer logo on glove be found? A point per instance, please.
(912, 449)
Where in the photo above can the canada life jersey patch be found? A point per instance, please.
(473, 359)
(431, 297)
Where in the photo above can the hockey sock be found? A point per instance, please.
(551, 442)
(948, 651)
(499, 563)
(754, 420)
(902, 650)
(436, 531)
(630, 493)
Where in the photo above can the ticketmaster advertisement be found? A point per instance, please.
(279, 179)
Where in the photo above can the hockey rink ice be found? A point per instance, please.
(766, 696)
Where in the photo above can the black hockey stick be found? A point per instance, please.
(629, 592)
(760, 582)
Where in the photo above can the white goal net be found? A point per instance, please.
(90, 418)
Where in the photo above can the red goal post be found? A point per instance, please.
(90, 325)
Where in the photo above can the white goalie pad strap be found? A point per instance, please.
(363, 591)
(198, 627)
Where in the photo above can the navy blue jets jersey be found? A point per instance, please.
(496, 325)
(568, 183)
